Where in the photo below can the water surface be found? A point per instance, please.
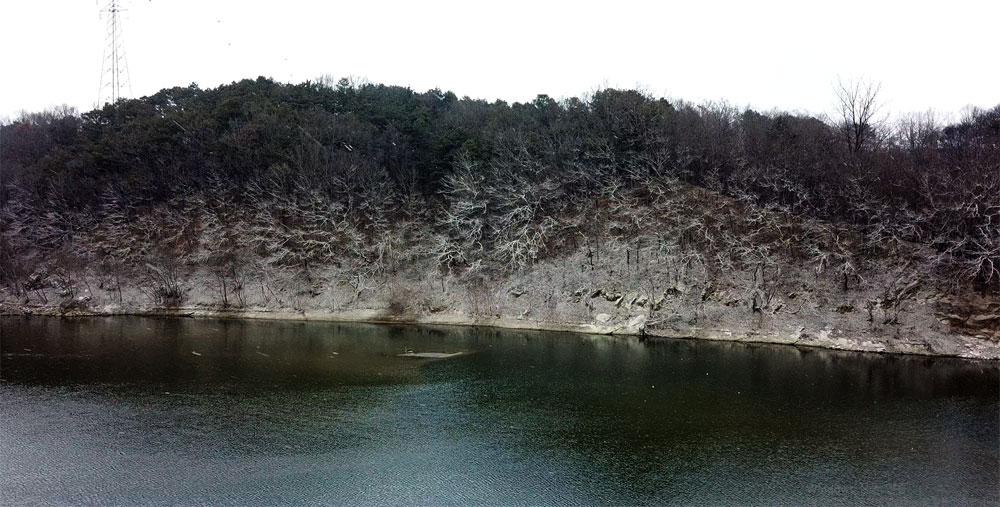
(182, 411)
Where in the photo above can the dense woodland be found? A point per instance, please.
(321, 170)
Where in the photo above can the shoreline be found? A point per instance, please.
(822, 340)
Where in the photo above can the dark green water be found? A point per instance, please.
(159, 411)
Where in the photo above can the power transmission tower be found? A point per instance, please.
(114, 65)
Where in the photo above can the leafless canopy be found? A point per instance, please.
(859, 112)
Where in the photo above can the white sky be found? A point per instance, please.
(766, 54)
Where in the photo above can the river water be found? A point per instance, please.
(128, 411)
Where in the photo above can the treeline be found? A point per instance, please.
(495, 177)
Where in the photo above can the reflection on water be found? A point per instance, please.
(138, 410)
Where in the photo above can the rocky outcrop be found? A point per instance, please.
(675, 290)
(902, 320)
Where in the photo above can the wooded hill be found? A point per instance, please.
(322, 172)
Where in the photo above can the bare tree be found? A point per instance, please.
(918, 131)
(859, 119)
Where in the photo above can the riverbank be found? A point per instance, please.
(748, 275)
(952, 345)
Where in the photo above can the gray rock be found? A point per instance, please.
(981, 319)
(636, 324)
(658, 303)
(37, 280)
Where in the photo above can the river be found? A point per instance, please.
(130, 410)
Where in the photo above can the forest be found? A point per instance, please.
(374, 176)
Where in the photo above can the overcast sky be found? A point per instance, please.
(766, 54)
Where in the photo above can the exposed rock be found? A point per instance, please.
(69, 305)
(37, 280)
(636, 325)
(900, 295)
(951, 318)
(983, 319)
(708, 304)
(658, 303)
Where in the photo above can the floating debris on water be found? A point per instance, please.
(430, 355)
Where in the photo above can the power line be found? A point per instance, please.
(115, 77)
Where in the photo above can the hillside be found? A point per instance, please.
(614, 213)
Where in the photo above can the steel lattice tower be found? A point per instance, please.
(114, 65)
